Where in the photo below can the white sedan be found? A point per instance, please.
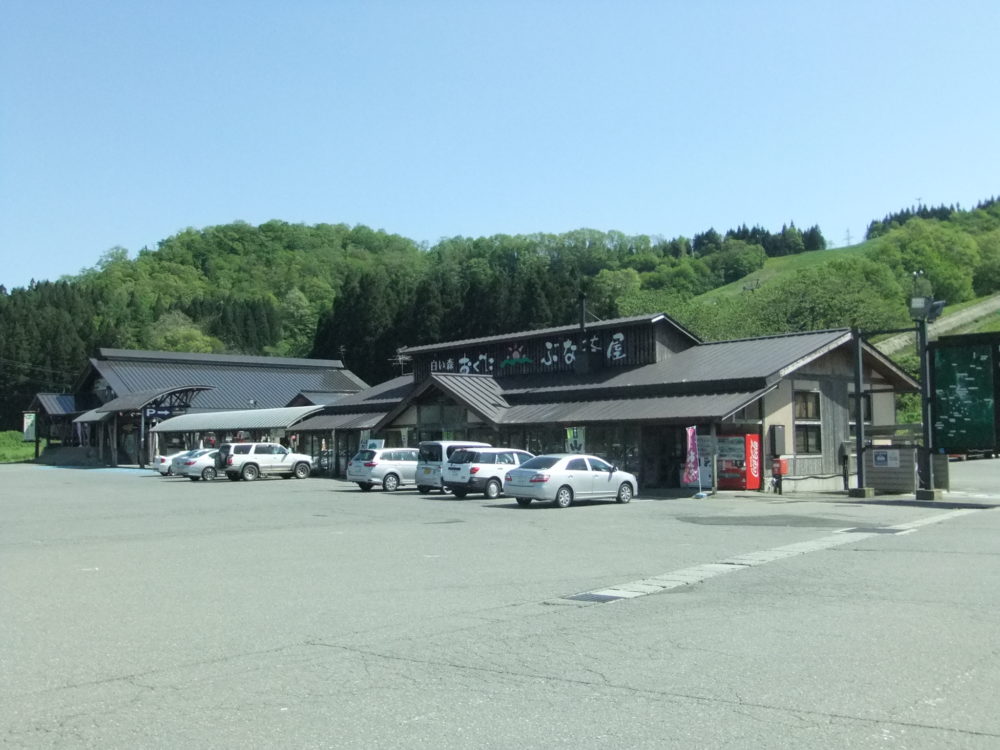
(164, 463)
(199, 465)
(563, 478)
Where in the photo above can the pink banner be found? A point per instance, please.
(691, 473)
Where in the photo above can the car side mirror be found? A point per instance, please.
(612, 470)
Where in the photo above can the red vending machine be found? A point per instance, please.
(739, 462)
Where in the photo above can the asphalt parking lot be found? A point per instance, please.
(142, 611)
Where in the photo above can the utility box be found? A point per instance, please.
(776, 440)
(893, 469)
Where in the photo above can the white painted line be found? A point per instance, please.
(936, 519)
(698, 573)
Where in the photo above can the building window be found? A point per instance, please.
(808, 428)
(807, 439)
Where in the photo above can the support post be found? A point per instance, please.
(859, 420)
(715, 458)
(927, 491)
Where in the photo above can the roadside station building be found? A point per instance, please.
(627, 389)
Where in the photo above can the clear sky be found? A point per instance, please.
(122, 123)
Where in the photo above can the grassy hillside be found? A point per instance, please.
(776, 269)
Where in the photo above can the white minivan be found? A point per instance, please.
(434, 454)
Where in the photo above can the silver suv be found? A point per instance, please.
(252, 460)
(481, 470)
(390, 467)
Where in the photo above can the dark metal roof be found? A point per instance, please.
(679, 409)
(243, 419)
(329, 422)
(321, 397)
(139, 399)
(219, 359)
(57, 404)
(237, 380)
(558, 330)
(480, 393)
(711, 367)
(94, 415)
(386, 394)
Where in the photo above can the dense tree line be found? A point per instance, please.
(341, 291)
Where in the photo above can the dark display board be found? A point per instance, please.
(964, 381)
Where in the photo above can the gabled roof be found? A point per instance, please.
(685, 409)
(236, 379)
(317, 397)
(56, 404)
(559, 330)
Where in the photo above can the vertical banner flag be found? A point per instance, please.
(691, 467)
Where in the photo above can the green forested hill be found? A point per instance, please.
(356, 293)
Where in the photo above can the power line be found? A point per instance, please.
(27, 366)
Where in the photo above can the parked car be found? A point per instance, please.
(434, 454)
(164, 462)
(177, 462)
(201, 465)
(252, 460)
(563, 478)
(389, 467)
(481, 470)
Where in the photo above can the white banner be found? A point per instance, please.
(29, 426)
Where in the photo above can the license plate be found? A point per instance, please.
(427, 470)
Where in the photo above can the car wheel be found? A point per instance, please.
(524, 502)
(564, 497)
(624, 493)
(301, 470)
(390, 483)
(423, 489)
(208, 473)
(250, 472)
(493, 489)
(459, 493)
(365, 486)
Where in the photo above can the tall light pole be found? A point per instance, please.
(923, 310)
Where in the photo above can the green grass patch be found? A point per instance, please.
(784, 266)
(13, 449)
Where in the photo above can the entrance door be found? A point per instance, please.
(662, 461)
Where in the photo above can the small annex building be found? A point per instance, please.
(628, 389)
(122, 394)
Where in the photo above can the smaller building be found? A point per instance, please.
(122, 393)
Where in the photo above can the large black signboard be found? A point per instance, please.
(965, 380)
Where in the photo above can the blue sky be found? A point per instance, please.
(122, 123)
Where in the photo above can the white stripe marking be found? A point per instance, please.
(699, 573)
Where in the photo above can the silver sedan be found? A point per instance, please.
(564, 477)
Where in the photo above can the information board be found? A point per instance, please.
(964, 388)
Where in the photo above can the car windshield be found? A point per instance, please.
(364, 455)
(541, 462)
(463, 456)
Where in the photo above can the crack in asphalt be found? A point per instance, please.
(801, 713)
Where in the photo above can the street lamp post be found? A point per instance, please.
(923, 310)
